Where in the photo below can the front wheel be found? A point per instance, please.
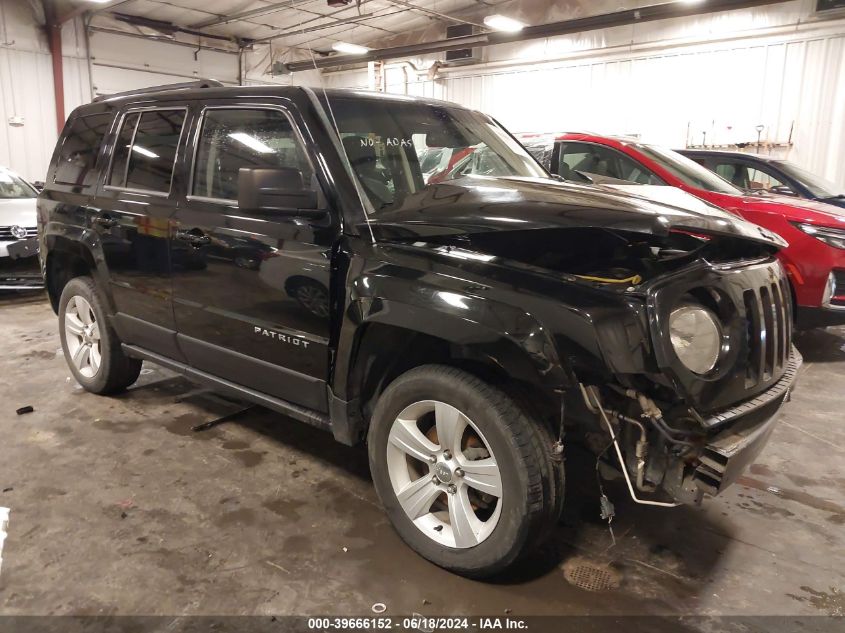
(462, 472)
(90, 344)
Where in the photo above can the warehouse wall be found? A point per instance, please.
(668, 82)
(118, 62)
(26, 87)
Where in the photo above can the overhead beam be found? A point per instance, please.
(663, 11)
(431, 12)
(245, 15)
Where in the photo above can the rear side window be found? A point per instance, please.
(235, 138)
(80, 148)
(145, 152)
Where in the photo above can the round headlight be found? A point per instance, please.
(696, 336)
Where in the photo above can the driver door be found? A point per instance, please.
(252, 288)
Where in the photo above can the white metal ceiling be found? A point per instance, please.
(298, 23)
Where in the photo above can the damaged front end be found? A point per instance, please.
(691, 424)
(673, 328)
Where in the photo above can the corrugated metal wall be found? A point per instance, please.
(668, 82)
(716, 79)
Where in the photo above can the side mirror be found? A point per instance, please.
(783, 190)
(279, 190)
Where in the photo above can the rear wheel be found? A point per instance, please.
(461, 471)
(90, 344)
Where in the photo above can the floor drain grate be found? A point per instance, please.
(590, 576)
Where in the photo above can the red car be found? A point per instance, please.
(815, 257)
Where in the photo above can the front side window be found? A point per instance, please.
(145, 152)
(590, 159)
(236, 138)
(80, 148)
(13, 186)
(399, 149)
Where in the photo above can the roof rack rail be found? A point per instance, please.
(186, 85)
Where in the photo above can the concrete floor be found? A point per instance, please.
(118, 508)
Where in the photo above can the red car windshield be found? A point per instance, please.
(13, 187)
(688, 171)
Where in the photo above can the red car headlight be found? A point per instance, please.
(828, 235)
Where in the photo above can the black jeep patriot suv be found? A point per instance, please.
(286, 247)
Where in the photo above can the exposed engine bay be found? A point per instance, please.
(610, 256)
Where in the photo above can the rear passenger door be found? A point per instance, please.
(135, 203)
(252, 289)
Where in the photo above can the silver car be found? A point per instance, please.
(19, 268)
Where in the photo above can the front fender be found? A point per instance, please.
(453, 310)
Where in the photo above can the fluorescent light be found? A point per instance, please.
(143, 151)
(503, 23)
(351, 49)
(251, 142)
(691, 1)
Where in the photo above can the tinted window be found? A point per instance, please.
(602, 161)
(79, 149)
(236, 138)
(121, 149)
(153, 151)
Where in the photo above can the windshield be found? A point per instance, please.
(398, 149)
(688, 171)
(819, 187)
(11, 186)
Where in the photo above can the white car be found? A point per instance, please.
(19, 268)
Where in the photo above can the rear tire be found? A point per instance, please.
(505, 497)
(91, 347)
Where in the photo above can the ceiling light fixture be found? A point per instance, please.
(351, 49)
(503, 23)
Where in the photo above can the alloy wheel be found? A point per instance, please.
(444, 474)
(82, 336)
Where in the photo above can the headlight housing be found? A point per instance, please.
(696, 336)
(828, 235)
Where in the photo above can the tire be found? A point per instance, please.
(502, 531)
(114, 371)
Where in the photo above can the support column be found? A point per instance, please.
(54, 38)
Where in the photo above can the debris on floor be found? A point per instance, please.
(27, 409)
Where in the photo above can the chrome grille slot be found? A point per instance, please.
(6, 233)
(756, 338)
(770, 333)
(769, 323)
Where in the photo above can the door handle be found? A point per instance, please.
(194, 237)
(105, 221)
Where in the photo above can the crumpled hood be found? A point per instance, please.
(478, 204)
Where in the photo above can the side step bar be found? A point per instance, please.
(232, 389)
